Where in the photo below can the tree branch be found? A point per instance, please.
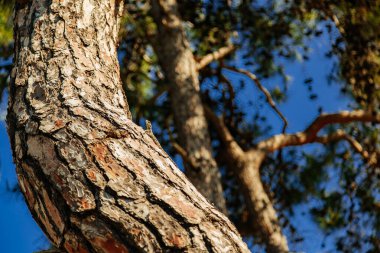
(310, 134)
(231, 92)
(341, 135)
(180, 150)
(268, 96)
(214, 56)
(223, 132)
(184, 155)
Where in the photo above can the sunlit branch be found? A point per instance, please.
(310, 134)
(268, 96)
(214, 56)
(341, 135)
(337, 23)
(223, 132)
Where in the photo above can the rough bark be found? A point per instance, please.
(180, 69)
(93, 180)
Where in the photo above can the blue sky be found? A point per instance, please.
(18, 231)
(20, 234)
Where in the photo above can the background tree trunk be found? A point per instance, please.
(263, 214)
(93, 180)
(246, 167)
(180, 69)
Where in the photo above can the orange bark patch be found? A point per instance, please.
(86, 205)
(99, 151)
(95, 177)
(98, 235)
(91, 175)
(107, 161)
(72, 244)
(111, 246)
(59, 123)
(53, 212)
(178, 240)
(25, 187)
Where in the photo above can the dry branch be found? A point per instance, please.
(223, 132)
(310, 134)
(341, 135)
(261, 87)
(214, 56)
(246, 166)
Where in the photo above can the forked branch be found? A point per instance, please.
(261, 87)
(341, 135)
(311, 133)
(224, 134)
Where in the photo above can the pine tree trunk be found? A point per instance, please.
(93, 180)
(177, 61)
(263, 218)
(263, 215)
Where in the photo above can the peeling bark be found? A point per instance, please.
(93, 180)
(177, 61)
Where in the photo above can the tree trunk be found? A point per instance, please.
(93, 180)
(263, 217)
(246, 166)
(177, 61)
(263, 214)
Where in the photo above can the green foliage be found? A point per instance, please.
(6, 25)
(357, 45)
(6, 39)
(329, 215)
(278, 95)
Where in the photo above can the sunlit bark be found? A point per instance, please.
(93, 180)
(180, 68)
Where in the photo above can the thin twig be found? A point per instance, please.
(231, 91)
(181, 151)
(268, 96)
(341, 135)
